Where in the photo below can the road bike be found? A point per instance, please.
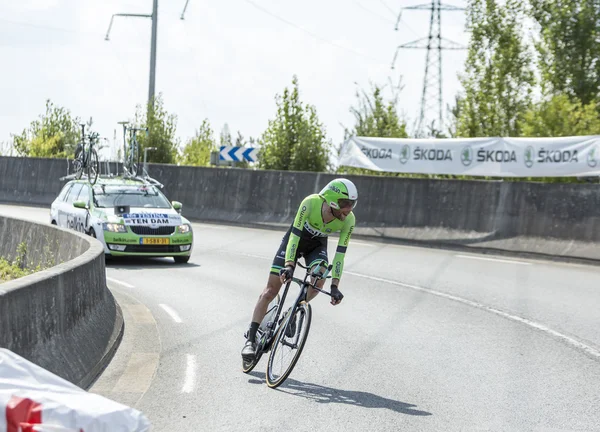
(86, 156)
(131, 150)
(285, 337)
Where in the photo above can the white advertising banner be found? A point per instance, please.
(494, 157)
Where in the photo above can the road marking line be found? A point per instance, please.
(125, 284)
(250, 255)
(208, 226)
(140, 313)
(493, 259)
(360, 243)
(569, 340)
(190, 374)
(171, 312)
(138, 373)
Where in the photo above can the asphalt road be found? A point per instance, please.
(425, 340)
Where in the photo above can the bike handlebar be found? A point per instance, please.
(317, 276)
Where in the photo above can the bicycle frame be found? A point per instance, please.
(273, 326)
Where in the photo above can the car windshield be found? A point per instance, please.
(133, 196)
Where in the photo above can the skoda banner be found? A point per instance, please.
(494, 157)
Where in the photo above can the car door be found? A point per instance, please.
(58, 204)
(77, 218)
(81, 216)
(67, 211)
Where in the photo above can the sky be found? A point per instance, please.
(225, 61)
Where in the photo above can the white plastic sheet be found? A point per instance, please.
(33, 399)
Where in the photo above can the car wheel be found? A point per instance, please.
(181, 259)
(92, 233)
(53, 222)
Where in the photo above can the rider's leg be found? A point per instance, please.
(266, 297)
(260, 310)
(313, 259)
(312, 293)
(271, 290)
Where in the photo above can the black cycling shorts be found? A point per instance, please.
(312, 249)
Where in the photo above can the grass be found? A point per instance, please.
(10, 271)
(19, 268)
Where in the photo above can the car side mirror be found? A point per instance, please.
(80, 204)
(177, 205)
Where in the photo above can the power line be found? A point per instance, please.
(372, 12)
(46, 27)
(387, 7)
(316, 36)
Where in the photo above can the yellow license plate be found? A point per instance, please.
(155, 241)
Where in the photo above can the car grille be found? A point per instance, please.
(144, 230)
(153, 248)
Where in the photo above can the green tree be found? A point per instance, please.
(295, 140)
(55, 134)
(561, 116)
(569, 46)
(498, 77)
(197, 150)
(162, 128)
(373, 117)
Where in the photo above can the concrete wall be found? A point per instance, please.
(64, 319)
(553, 219)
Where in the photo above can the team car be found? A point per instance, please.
(130, 217)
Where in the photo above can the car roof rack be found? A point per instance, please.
(144, 178)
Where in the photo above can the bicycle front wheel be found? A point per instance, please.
(93, 167)
(288, 345)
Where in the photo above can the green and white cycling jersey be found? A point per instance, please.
(309, 224)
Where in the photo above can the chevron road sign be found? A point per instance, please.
(238, 154)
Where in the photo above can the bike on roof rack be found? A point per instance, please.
(132, 151)
(86, 156)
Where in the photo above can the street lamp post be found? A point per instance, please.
(154, 17)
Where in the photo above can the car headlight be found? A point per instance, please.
(184, 229)
(114, 227)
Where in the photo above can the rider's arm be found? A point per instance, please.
(340, 253)
(297, 227)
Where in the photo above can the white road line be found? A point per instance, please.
(212, 227)
(125, 284)
(190, 374)
(250, 255)
(569, 340)
(493, 259)
(171, 313)
(360, 243)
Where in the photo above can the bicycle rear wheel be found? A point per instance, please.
(288, 345)
(78, 164)
(262, 346)
(93, 167)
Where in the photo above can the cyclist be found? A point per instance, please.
(318, 216)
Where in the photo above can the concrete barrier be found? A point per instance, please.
(64, 318)
(556, 220)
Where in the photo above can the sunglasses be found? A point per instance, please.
(346, 203)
